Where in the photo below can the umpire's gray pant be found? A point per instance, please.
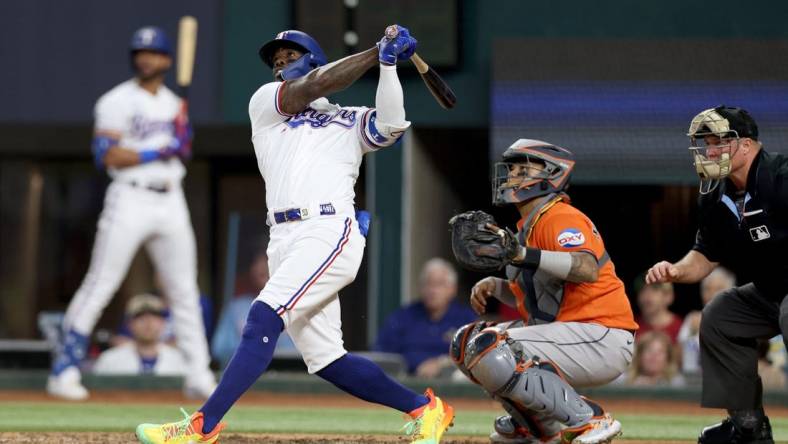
(730, 325)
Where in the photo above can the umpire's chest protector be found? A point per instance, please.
(752, 241)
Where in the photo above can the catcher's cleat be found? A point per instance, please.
(67, 385)
(429, 421)
(507, 431)
(599, 430)
(185, 431)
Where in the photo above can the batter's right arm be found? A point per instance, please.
(108, 154)
(326, 80)
(690, 269)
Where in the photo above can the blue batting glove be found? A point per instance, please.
(363, 218)
(396, 44)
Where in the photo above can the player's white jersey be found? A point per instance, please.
(144, 122)
(312, 157)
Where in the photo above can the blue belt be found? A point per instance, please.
(296, 214)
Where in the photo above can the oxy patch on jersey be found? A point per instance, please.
(344, 117)
(571, 237)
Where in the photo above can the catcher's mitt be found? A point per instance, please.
(479, 248)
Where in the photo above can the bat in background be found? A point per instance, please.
(187, 44)
(437, 86)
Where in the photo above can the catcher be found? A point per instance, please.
(577, 327)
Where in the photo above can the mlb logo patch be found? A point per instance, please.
(571, 237)
(759, 233)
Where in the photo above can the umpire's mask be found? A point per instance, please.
(714, 136)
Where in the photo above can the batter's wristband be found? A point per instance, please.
(148, 156)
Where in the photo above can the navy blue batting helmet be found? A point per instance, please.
(150, 38)
(303, 42)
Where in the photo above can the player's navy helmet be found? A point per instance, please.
(312, 58)
(713, 162)
(514, 183)
(150, 38)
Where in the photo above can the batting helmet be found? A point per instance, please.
(150, 38)
(515, 185)
(312, 58)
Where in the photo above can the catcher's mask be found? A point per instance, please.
(529, 169)
(713, 155)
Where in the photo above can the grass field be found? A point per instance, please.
(101, 417)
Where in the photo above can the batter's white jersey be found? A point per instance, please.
(310, 161)
(145, 206)
(312, 157)
(144, 122)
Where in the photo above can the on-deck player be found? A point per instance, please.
(577, 325)
(141, 138)
(309, 152)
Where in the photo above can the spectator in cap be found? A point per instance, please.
(145, 353)
(653, 302)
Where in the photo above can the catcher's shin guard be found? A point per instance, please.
(459, 345)
(499, 365)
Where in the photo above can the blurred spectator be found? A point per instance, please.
(233, 316)
(718, 280)
(421, 332)
(653, 302)
(655, 362)
(145, 353)
(771, 361)
(168, 334)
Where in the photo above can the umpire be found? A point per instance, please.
(743, 224)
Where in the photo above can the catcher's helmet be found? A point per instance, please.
(713, 162)
(150, 38)
(313, 55)
(511, 185)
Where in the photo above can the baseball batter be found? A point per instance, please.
(141, 138)
(309, 152)
(577, 325)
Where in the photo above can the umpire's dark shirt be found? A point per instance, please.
(754, 242)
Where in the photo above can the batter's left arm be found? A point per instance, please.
(326, 80)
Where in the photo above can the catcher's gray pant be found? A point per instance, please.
(133, 217)
(729, 327)
(587, 354)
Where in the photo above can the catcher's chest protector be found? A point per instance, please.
(541, 294)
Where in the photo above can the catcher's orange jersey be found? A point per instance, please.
(562, 227)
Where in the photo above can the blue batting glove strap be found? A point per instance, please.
(149, 155)
(411, 49)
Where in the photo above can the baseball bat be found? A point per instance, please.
(187, 44)
(437, 86)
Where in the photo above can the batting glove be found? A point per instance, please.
(400, 47)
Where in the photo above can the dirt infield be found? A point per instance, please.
(629, 406)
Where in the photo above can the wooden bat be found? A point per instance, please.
(437, 86)
(187, 44)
